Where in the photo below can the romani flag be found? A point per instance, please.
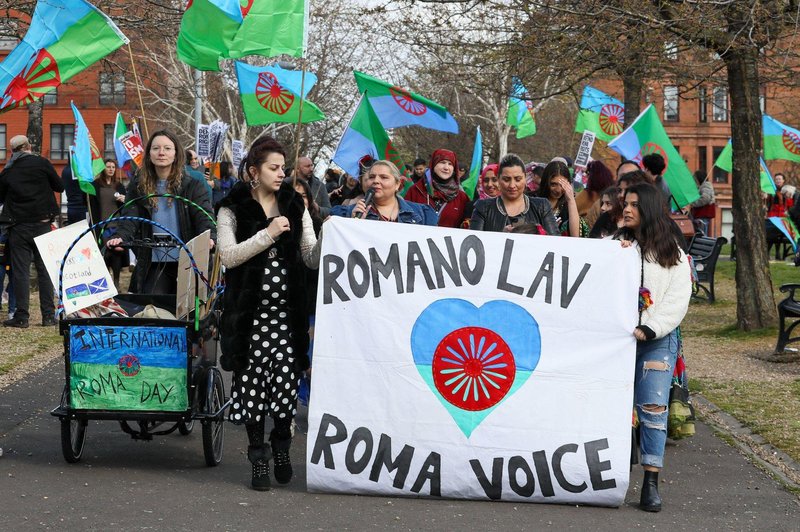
(601, 114)
(647, 135)
(520, 111)
(85, 158)
(272, 94)
(780, 141)
(471, 183)
(725, 162)
(64, 38)
(216, 29)
(397, 107)
(364, 136)
(787, 227)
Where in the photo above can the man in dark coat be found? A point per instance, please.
(27, 184)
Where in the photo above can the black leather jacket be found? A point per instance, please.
(487, 216)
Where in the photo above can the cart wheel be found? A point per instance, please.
(73, 438)
(186, 427)
(214, 429)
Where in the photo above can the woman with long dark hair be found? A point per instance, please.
(163, 172)
(109, 195)
(266, 236)
(556, 187)
(665, 289)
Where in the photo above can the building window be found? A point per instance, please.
(61, 137)
(108, 142)
(720, 104)
(3, 142)
(51, 98)
(670, 103)
(702, 159)
(702, 102)
(112, 88)
(720, 175)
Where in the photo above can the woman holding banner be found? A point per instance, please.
(266, 236)
(446, 198)
(513, 208)
(383, 181)
(665, 289)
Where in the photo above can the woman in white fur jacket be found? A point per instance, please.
(665, 289)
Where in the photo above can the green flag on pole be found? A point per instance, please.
(647, 135)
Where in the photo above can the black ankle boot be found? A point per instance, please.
(650, 501)
(259, 456)
(283, 465)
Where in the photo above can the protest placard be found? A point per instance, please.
(86, 280)
(486, 366)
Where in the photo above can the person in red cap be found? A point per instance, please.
(443, 194)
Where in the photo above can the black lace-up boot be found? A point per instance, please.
(259, 456)
(281, 442)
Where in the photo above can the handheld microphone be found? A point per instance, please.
(368, 198)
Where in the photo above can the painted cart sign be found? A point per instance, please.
(128, 368)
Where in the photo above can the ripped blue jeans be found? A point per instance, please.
(655, 363)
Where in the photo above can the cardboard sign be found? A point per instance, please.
(187, 288)
(86, 280)
(128, 368)
(472, 365)
(585, 149)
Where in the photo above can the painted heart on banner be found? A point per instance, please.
(474, 358)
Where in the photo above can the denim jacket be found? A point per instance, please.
(409, 213)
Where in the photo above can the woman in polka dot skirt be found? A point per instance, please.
(265, 233)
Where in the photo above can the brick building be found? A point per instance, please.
(698, 123)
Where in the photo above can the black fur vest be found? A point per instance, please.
(243, 283)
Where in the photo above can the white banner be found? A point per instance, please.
(203, 141)
(585, 149)
(86, 280)
(472, 365)
(237, 154)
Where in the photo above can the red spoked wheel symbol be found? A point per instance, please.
(652, 147)
(407, 103)
(40, 77)
(391, 154)
(129, 365)
(271, 95)
(473, 368)
(529, 105)
(245, 5)
(612, 119)
(791, 142)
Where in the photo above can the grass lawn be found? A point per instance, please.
(736, 370)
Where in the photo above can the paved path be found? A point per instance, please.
(122, 484)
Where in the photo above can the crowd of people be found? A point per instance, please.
(268, 234)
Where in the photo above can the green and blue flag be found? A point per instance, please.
(64, 38)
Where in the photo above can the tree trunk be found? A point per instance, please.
(34, 132)
(503, 131)
(755, 302)
(632, 87)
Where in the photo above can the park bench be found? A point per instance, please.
(705, 252)
(788, 311)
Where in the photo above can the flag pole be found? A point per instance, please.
(299, 125)
(139, 91)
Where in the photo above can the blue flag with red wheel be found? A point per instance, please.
(64, 38)
(601, 114)
(272, 94)
(397, 107)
